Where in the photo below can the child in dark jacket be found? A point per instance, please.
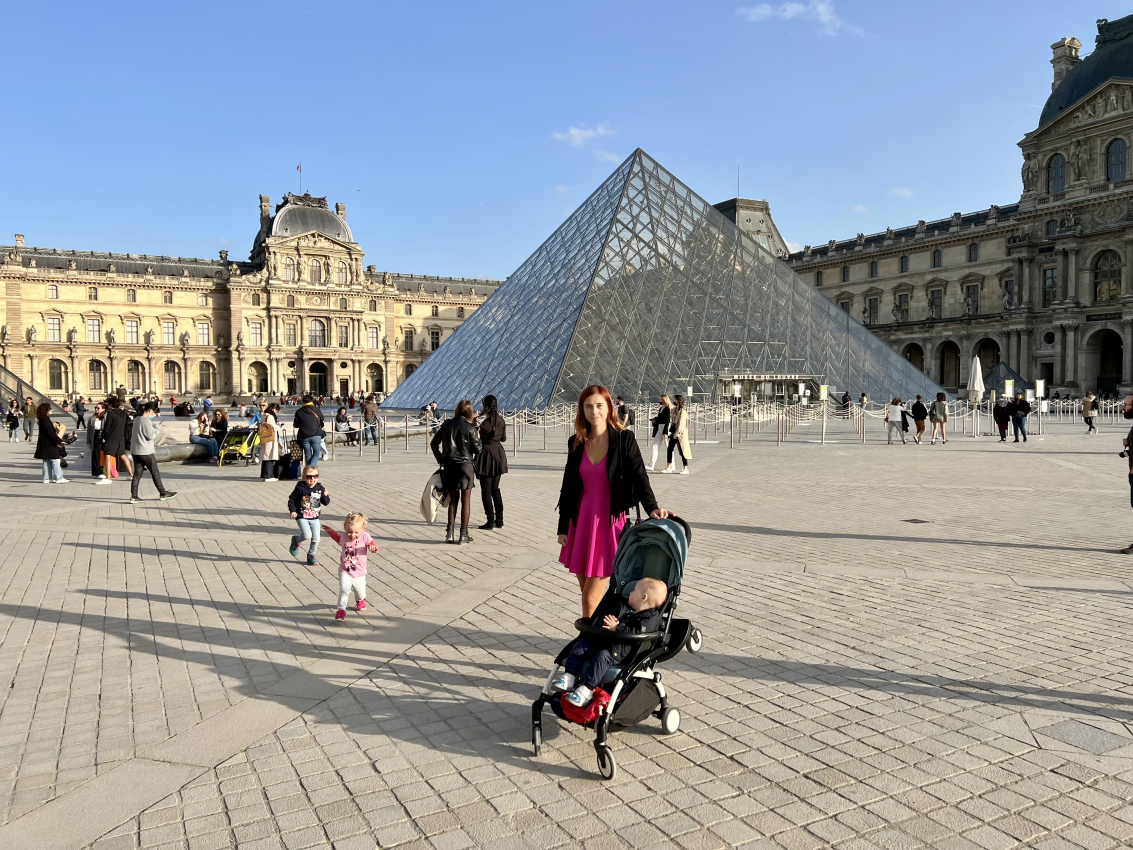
(304, 505)
(589, 660)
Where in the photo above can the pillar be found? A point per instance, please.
(1074, 342)
(1026, 362)
(1127, 268)
(1062, 279)
(1059, 348)
(1074, 282)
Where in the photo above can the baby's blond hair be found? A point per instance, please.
(655, 588)
(352, 518)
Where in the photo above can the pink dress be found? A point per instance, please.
(592, 540)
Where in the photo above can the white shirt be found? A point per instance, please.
(895, 411)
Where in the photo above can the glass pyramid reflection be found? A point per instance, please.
(648, 289)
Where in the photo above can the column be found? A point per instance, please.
(1059, 347)
(1012, 356)
(1074, 280)
(1127, 343)
(1026, 363)
(1072, 336)
(1062, 286)
(1127, 268)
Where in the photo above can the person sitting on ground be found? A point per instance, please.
(590, 659)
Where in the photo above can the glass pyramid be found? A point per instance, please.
(648, 289)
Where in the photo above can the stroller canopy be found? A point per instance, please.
(656, 548)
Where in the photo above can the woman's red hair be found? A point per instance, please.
(581, 426)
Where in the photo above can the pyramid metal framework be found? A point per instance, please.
(648, 289)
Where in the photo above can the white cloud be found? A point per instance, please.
(858, 208)
(820, 11)
(794, 247)
(900, 192)
(578, 136)
(607, 156)
(568, 210)
(562, 190)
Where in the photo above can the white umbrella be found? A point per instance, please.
(976, 381)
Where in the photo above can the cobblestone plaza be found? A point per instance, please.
(175, 679)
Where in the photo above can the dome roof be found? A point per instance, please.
(1112, 58)
(304, 214)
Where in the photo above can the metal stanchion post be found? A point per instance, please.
(824, 423)
(407, 432)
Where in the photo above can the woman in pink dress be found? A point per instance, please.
(604, 477)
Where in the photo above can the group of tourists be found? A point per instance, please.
(897, 418)
(670, 431)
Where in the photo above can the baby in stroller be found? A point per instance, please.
(589, 660)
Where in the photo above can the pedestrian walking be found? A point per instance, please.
(604, 477)
(938, 415)
(370, 421)
(309, 430)
(305, 504)
(271, 442)
(623, 412)
(455, 446)
(94, 443)
(1002, 417)
(200, 434)
(660, 424)
(895, 416)
(1127, 442)
(1089, 411)
(49, 448)
(678, 436)
(114, 425)
(355, 543)
(12, 420)
(145, 454)
(29, 419)
(491, 463)
(1019, 409)
(80, 413)
(920, 414)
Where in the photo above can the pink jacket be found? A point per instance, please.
(353, 559)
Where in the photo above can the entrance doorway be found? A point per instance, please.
(344, 387)
(950, 365)
(291, 390)
(1109, 363)
(317, 379)
(915, 355)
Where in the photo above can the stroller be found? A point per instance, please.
(655, 548)
(239, 443)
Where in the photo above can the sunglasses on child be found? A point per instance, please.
(311, 477)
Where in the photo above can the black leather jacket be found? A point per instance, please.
(457, 441)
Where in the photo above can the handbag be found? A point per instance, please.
(266, 433)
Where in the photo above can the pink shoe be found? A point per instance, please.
(361, 606)
(340, 614)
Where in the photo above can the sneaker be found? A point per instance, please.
(564, 682)
(169, 494)
(62, 481)
(340, 614)
(103, 480)
(269, 480)
(684, 471)
(135, 500)
(311, 561)
(102, 476)
(580, 696)
(294, 548)
(361, 606)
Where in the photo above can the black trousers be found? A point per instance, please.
(145, 462)
(492, 498)
(267, 469)
(676, 444)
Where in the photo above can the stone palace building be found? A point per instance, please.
(1044, 283)
(302, 314)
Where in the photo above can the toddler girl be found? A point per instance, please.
(355, 543)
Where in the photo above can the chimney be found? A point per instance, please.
(340, 211)
(19, 240)
(1065, 58)
(265, 209)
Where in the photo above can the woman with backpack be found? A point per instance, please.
(271, 442)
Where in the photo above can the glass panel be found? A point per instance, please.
(648, 289)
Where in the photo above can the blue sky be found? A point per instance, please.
(460, 134)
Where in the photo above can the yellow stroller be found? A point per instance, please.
(239, 443)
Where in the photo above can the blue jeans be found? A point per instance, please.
(369, 432)
(311, 448)
(52, 471)
(308, 530)
(1020, 425)
(588, 663)
(209, 442)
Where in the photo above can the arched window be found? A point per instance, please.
(460, 310)
(96, 376)
(434, 311)
(205, 373)
(131, 296)
(1056, 174)
(92, 293)
(937, 258)
(167, 297)
(410, 368)
(317, 334)
(57, 375)
(315, 271)
(255, 299)
(135, 376)
(1115, 161)
(289, 268)
(341, 275)
(373, 305)
(290, 300)
(52, 291)
(172, 376)
(873, 268)
(409, 309)
(342, 304)
(1107, 277)
(974, 252)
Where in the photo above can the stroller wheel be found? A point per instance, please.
(607, 766)
(670, 721)
(694, 641)
(536, 739)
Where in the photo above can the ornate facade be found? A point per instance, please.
(1044, 283)
(302, 314)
